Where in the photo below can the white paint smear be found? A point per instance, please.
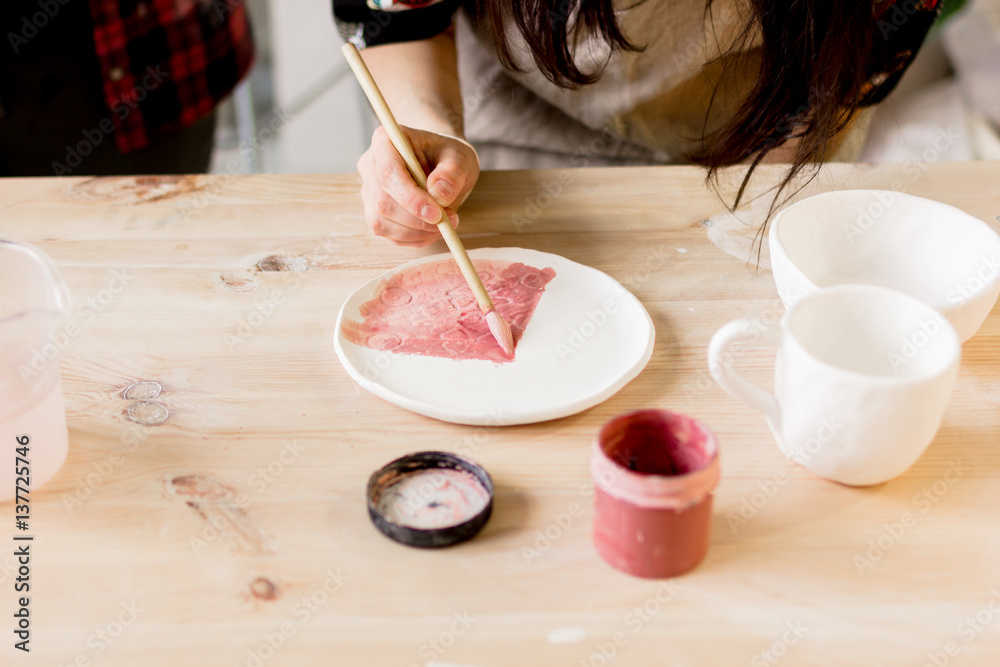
(568, 635)
(738, 238)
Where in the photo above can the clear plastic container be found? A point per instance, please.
(33, 301)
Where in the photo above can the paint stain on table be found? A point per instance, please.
(133, 190)
(236, 282)
(429, 310)
(218, 505)
(283, 263)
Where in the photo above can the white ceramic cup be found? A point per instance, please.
(935, 252)
(861, 380)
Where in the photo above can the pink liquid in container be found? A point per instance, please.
(33, 301)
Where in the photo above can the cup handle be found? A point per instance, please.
(720, 365)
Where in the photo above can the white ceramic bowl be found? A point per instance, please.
(935, 252)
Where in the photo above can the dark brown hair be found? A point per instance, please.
(812, 66)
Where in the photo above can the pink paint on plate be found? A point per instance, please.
(429, 310)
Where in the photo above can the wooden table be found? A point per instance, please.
(235, 532)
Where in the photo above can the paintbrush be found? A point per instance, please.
(497, 324)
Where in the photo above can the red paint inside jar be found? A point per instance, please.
(654, 472)
(649, 445)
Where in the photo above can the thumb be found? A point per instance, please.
(453, 176)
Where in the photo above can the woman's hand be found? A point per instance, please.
(395, 206)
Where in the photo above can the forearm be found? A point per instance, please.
(420, 82)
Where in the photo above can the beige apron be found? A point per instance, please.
(648, 107)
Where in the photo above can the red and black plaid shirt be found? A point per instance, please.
(167, 63)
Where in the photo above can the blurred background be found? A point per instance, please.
(301, 111)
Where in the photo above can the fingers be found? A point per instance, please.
(455, 172)
(385, 183)
(392, 176)
(387, 218)
(395, 206)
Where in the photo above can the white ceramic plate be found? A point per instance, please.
(587, 339)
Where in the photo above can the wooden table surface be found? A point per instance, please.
(235, 532)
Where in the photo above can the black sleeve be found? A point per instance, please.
(900, 29)
(364, 26)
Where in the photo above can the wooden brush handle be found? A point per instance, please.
(405, 150)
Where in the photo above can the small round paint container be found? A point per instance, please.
(430, 499)
(654, 474)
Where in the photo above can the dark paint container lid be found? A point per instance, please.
(430, 499)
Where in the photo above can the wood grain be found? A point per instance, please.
(239, 523)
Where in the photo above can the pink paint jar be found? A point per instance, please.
(654, 472)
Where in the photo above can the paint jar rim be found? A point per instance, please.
(654, 491)
(428, 538)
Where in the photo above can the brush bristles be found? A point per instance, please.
(501, 331)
